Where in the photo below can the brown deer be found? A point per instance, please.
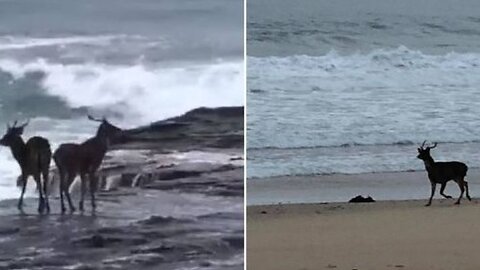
(442, 172)
(34, 159)
(83, 159)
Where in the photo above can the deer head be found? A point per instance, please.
(106, 131)
(12, 133)
(424, 151)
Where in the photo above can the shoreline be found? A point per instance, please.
(398, 186)
(382, 235)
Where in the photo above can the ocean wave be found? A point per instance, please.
(378, 60)
(137, 91)
(19, 42)
(354, 144)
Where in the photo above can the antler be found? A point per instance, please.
(423, 144)
(93, 119)
(25, 124)
(428, 147)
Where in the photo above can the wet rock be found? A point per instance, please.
(100, 241)
(205, 264)
(234, 242)
(222, 216)
(153, 249)
(8, 231)
(137, 228)
(158, 220)
(144, 259)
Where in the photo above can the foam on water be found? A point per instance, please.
(19, 43)
(396, 97)
(384, 97)
(138, 91)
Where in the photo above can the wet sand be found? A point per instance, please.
(171, 197)
(342, 187)
(368, 236)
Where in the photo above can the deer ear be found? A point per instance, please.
(419, 150)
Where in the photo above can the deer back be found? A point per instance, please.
(67, 158)
(444, 171)
(38, 153)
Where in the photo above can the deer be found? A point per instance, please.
(83, 159)
(442, 172)
(34, 159)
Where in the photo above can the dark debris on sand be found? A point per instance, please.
(361, 199)
(170, 196)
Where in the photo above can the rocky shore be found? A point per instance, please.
(170, 197)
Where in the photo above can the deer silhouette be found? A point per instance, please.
(83, 159)
(34, 159)
(442, 172)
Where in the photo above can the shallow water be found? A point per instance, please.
(354, 87)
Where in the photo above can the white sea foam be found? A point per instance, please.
(383, 97)
(139, 92)
(20, 43)
(302, 106)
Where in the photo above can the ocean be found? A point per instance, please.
(356, 86)
(132, 61)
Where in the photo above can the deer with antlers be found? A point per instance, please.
(442, 172)
(83, 159)
(34, 158)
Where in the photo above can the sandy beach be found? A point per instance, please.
(385, 186)
(380, 235)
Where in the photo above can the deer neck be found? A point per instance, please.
(101, 144)
(103, 140)
(429, 163)
(18, 148)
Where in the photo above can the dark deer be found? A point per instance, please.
(442, 172)
(83, 159)
(34, 159)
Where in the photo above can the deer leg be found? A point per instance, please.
(82, 191)
(24, 185)
(62, 189)
(66, 190)
(92, 189)
(442, 188)
(466, 189)
(69, 199)
(41, 201)
(45, 189)
(461, 185)
(431, 195)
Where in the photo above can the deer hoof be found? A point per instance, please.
(457, 203)
(468, 197)
(72, 209)
(428, 204)
(448, 197)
